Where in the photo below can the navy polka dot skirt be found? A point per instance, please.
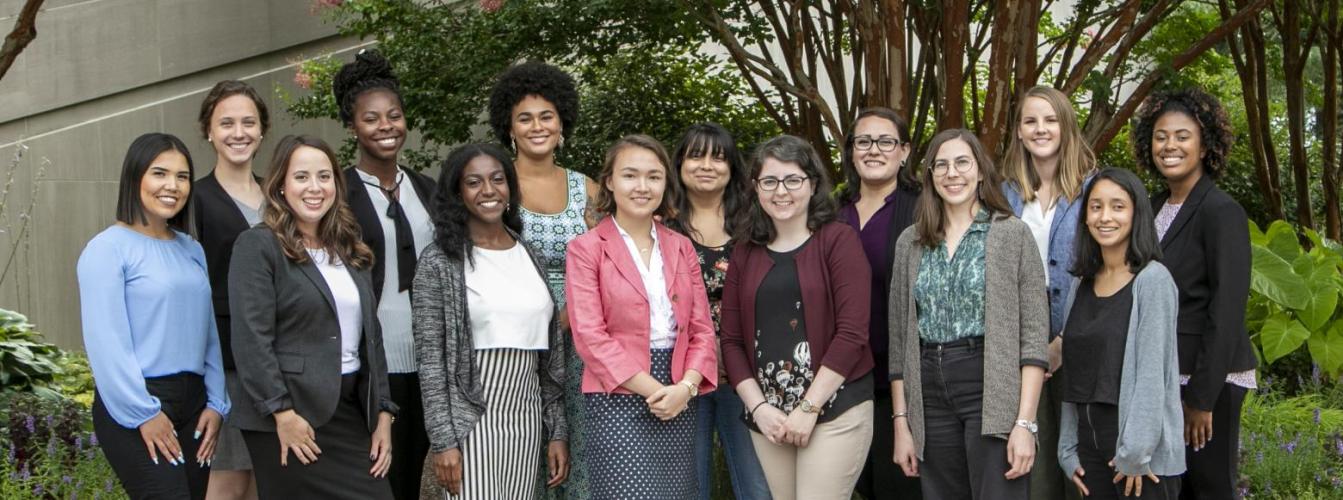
(634, 455)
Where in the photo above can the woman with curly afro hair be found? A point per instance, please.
(533, 108)
(393, 206)
(1185, 136)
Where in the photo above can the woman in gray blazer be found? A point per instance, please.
(306, 339)
(1121, 384)
(969, 322)
(487, 339)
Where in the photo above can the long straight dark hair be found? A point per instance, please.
(143, 150)
(929, 217)
(711, 139)
(452, 234)
(1143, 246)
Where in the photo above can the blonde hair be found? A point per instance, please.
(1076, 160)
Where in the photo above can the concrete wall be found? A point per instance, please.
(102, 72)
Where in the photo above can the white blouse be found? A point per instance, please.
(346, 295)
(662, 321)
(509, 303)
(1040, 222)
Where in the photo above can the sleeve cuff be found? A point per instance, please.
(274, 405)
(1035, 362)
(896, 376)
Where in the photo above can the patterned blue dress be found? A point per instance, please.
(549, 235)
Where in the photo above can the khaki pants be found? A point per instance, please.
(828, 467)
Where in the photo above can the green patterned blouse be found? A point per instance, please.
(949, 294)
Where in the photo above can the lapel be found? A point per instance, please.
(1187, 209)
(1061, 211)
(314, 275)
(670, 261)
(362, 207)
(614, 248)
(366, 300)
(233, 219)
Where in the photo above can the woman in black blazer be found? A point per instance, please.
(306, 339)
(1185, 137)
(233, 119)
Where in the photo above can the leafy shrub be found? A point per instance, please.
(1294, 296)
(1291, 447)
(49, 451)
(27, 364)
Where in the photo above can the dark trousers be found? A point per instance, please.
(1213, 471)
(182, 399)
(1097, 436)
(959, 462)
(881, 478)
(1047, 479)
(410, 442)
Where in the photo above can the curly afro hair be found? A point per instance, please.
(368, 71)
(532, 78)
(1216, 133)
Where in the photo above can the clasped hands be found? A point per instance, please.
(785, 428)
(669, 401)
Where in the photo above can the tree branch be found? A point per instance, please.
(25, 30)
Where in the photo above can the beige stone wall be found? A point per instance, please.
(102, 72)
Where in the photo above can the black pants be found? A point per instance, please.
(881, 478)
(959, 462)
(182, 399)
(1213, 470)
(1047, 479)
(410, 442)
(1097, 436)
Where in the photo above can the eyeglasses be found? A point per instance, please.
(884, 143)
(963, 165)
(791, 183)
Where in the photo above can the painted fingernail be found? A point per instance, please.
(198, 434)
(156, 460)
(181, 458)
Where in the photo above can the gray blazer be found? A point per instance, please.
(286, 338)
(449, 378)
(1016, 323)
(1151, 419)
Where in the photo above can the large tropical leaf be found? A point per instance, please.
(1326, 348)
(1273, 277)
(1281, 335)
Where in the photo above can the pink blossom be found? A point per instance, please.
(491, 5)
(303, 79)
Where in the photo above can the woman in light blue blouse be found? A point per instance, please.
(149, 330)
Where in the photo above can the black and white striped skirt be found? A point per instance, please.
(634, 455)
(501, 456)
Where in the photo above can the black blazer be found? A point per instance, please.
(370, 221)
(1207, 250)
(218, 223)
(287, 338)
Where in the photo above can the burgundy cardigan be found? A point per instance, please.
(836, 286)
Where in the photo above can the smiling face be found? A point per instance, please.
(484, 189)
(536, 127)
(1039, 129)
(379, 124)
(165, 187)
(781, 204)
(1109, 214)
(637, 183)
(235, 129)
(874, 166)
(956, 174)
(309, 187)
(1177, 146)
(707, 173)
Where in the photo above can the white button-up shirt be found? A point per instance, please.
(662, 322)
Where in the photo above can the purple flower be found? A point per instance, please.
(24, 473)
(1259, 456)
(93, 439)
(47, 421)
(51, 447)
(37, 490)
(107, 485)
(67, 479)
(1317, 416)
(28, 423)
(79, 443)
(1290, 446)
(1338, 446)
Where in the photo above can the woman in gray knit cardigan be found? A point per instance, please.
(490, 352)
(968, 330)
(1122, 420)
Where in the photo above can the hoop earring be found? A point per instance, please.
(514, 141)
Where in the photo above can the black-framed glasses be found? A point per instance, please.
(884, 143)
(791, 183)
(962, 164)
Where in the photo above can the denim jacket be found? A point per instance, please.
(1062, 235)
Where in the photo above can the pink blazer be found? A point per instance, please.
(609, 312)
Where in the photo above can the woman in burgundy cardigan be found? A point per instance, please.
(795, 326)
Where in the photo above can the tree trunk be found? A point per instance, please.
(1329, 122)
(1000, 96)
(955, 25)
(1248, 55)
(1293, 66)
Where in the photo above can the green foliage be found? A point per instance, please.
(49, 451)
(26, 363)
(1294, 296)
(1291, 447)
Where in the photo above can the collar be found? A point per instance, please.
(368, 178)
(652, 231)
(981, 222)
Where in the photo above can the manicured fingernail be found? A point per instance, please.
(156, 460)
(198, 434)
(174, 433)
(210, 462)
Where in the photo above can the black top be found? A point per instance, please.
(218, 223)
(1093, 355)
(713, 263)
(782, 354)
(1207, 250)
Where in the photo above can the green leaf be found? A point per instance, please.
(1273, 277)
(1326, 349)
(1282, 240)
(1257, 237)
(1281, 335)
(1319, 271)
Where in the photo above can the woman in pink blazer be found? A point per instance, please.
(640, 320)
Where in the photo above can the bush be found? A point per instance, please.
(50, 451)
(27, 364)
(1291, 447)
(1294, 296)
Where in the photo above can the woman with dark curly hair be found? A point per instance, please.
(1185, 136)
(393, 206)
(487, 337)
(533, 108)
(795, 324)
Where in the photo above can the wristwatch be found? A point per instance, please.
(694, 389)
(807, 407)
(1028, 425)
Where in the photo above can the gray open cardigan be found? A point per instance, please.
(1016, 323)
(1151, 420)
(449, 378)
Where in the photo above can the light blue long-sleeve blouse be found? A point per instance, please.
(146, 312)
